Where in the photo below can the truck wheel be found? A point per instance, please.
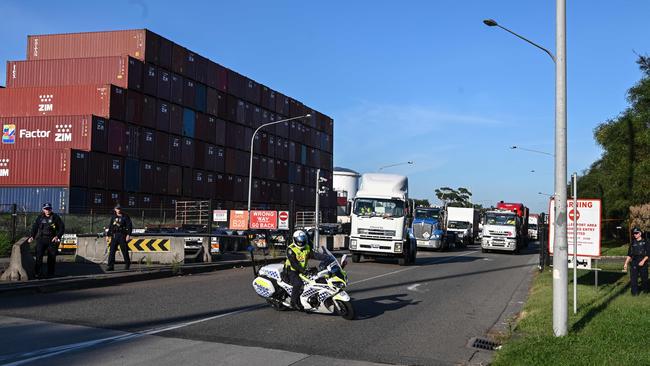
(356, 258)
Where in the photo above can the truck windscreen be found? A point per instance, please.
(500, 219)
(427, 214)
(378, 207)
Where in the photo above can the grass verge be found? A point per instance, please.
(612, 247)
(610, 328)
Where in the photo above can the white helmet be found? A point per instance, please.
(300, 238)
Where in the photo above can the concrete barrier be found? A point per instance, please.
(142, 249)
(21, 263)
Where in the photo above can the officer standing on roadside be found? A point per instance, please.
(637, 254)
(47, 230)
(119, 230)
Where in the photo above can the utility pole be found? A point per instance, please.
(317, 218)
(560, 254)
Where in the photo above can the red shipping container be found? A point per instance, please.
(206, 128)
(124, 72)
(162, 115)
(134, 107)
(231, 160)
(150, 79)
(222, 78)
(221, 186)
(113, 198)
(221, 159)
(187, 152)
(162, 147)
(177, 89)
(235, 84)
(56, 132)
(187, 182)
(132, 141)
(97, 170)
(139, 43)
(165, 53)
(210, 160)
(103, 101)
(179, 54)
(211, 73)
(174, 180)
(189, 93)
(160, 178)
(210, 185)
(115, 177)
(199, 154)
(164, 85)
(189, 65)
(212, 102)
(198, 184)
(147, 177)
(149, 111)
(176, 119)
(222, 100)
(175, 150)
(98, 200)
(147, 144)
(220, 132)
(117, 138)
(129, 200)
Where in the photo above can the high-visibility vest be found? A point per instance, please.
(302, 255)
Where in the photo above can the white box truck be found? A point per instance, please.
(381, 217)
(463, 221)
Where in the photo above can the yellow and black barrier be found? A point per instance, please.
(147, 245)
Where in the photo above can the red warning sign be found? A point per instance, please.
(264, 219)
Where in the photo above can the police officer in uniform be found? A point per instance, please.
(47, 231)
(119, 230)
(637, 254)
(298, 254)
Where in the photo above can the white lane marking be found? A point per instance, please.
(55, 351)
(409, 268)
(414, 288)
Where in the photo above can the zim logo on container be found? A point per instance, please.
(45, 103)
(9, 134)
(4, 167)
(63, 133)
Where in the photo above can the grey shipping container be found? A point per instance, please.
(30, 199)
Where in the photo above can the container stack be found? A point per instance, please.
(91, 119)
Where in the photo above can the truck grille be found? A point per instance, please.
(498, 233)
(420, 228)
(376, 233)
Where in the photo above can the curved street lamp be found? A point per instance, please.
(396, 164)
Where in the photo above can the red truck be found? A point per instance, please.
(522, 212)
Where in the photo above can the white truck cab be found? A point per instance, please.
(380, 219)
(501, 231)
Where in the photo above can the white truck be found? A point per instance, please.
(501, 231)
(381, 218)
(533, 227)
(463, 221)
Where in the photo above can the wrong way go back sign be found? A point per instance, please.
(587, 214)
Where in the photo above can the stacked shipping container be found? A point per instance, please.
(130, 116)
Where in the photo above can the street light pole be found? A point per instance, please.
(250, 164)
(530, 150)
(560, 255)
(397, 164)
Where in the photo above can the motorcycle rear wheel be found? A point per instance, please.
(345, 309)
(277, 306)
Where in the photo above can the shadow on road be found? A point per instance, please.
(376, 306)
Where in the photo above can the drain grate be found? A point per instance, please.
(484, 344)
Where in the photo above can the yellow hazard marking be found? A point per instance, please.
(148, 245)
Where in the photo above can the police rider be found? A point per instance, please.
(120, 230)
(637, 254)
(47, 230)
(298, 254)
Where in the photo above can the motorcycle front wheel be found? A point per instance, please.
(345, 310)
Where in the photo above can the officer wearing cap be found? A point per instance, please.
(637, 254)
(47, 230)
(119, 230)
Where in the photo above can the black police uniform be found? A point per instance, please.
(119, 228)
(637, 251)
(44, 229)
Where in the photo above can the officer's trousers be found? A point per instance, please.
(635, 272)
(45, 245)
(119, 239)
(296, 291)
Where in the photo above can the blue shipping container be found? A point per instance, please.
(132, 175)
(189, 122)
(201, 98)
(31, 199)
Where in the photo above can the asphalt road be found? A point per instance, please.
(423, 314)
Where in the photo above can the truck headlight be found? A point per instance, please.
(353, 243)
(435, 236)
(398, 247)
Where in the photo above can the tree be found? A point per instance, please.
(621, 177)
(422, 202)
(460, 197)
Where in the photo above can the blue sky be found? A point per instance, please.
(412, 80)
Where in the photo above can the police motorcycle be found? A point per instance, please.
(323, 291)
